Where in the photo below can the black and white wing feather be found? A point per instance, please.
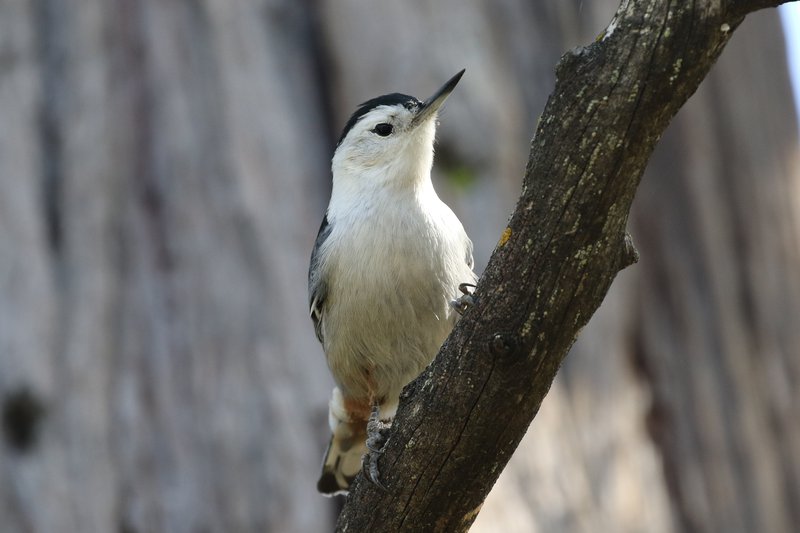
(317, 283)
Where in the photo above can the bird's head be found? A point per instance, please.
(389, 141)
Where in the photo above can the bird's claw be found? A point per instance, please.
(464, 302)
(376, 444)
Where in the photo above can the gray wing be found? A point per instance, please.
(317, 285)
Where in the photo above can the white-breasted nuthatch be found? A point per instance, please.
(386, 266)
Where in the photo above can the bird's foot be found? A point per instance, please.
(466, 301)
(376, 443)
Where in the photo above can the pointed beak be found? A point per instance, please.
(432, 104)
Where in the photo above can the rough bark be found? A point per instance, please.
(552, 267)
(643, 429)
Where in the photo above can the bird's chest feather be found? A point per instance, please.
(395, 258)
(392, 269)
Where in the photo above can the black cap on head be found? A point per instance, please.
(409, 102)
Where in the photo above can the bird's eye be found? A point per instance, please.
(383, 129)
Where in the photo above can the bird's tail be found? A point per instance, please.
(341, 464)
(347, 446)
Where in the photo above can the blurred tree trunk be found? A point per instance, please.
(163, 170)
(159, 175)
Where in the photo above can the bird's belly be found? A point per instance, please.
(389, 317)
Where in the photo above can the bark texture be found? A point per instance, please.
(163, 169)
(646, 427)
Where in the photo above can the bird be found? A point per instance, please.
(386, 269)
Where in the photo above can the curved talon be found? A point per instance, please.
(376, 443)
(373, 474)
(464, 302)
(463, 287)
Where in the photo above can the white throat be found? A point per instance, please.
(362, 176)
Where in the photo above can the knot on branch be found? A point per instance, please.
(502, 344)
(630, 254)
(569, 61)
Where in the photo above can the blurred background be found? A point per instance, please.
(164, 166)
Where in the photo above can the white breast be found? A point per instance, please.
(392, 265)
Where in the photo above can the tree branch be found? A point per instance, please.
(461, 420)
